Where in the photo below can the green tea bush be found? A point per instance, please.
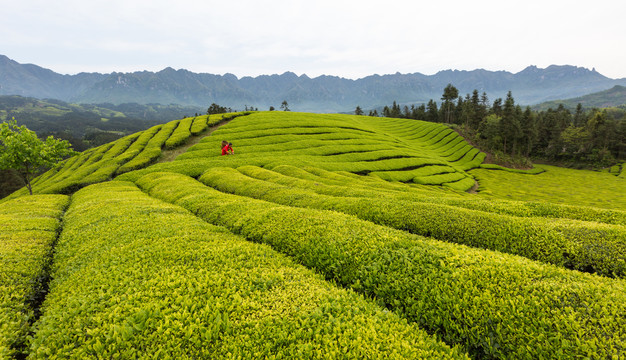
(28, 229)
(439, 178)
(590, 247)
(533, 171)
(453, 146)
(102, 163)
(495, 305)
(463, 184)
(408, 175)
(152, 151)
(180, 134)
(614, 170)
(120, 145)
(438, 137)
(555, 185)
(199, 125)
(346, 184)
(154, 281)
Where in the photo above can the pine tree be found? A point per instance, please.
(450, 93)
(432, 113)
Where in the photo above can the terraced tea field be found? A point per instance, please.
(323, 236)
(556, 185)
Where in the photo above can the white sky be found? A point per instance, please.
(351, 39)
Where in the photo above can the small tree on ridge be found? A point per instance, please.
(23, 151)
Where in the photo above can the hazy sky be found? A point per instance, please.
(350, 39)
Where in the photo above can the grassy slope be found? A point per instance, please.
(399, 158)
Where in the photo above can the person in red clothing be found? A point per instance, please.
(227, 148)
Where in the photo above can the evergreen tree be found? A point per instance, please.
(496, 108)
(467, 111)
(510, 127)
(432, 113)
(407, 112)
(529, 131)
(419, 112)
(395, 110)
(450, 93)
(479, 109)
(386, 111)
(490, 132)
(216, 109)
(579, 115)
(358, 110)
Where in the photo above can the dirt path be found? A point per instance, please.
(170, 155)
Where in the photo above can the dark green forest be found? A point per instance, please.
(512, 135)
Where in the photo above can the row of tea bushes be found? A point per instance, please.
(101, 170)
(590, 247)
(126, 154)
(554, 185)
(91, 166)
(354, 145)
(180, 134)
(533, 171)
(342, 182)
(28, 230)
(495, 305)
(152, 150)
(195, 126)
(154, 281)
(345, 184)
(199, 125)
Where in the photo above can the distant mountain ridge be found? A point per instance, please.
(613, 97)
(321, 94)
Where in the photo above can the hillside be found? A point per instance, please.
(612, 98)
(78, 120)
(323, 236)
(321, 94)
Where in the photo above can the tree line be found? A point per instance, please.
(514, 134)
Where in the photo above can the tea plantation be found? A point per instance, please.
(322, 237)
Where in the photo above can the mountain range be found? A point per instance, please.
(532, 85)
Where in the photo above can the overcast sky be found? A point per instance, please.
(351, 39)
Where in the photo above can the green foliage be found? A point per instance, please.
(155, 281)
(180, 134)
(130, 271)
(152, 151)
(555, 185)
(199, 125)
(591, 137)
(216, 109)
(129, 153)
(397, 150)
(495, 305)
(589, 247)
(28, 229)
(24, 152)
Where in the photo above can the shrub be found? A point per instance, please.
(154, 281)
(29, 229)
(496, 305)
